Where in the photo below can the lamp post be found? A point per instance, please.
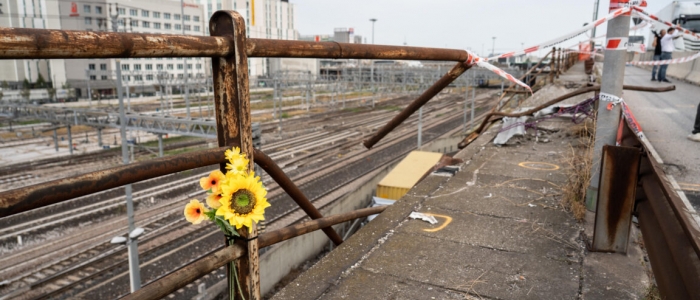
(371, 72)
(493, 46)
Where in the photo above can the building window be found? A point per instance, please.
(86, 8)
(176, 17)
(156, 14)
(167, 26)
(186, 17)
(133, 12)
(93, 77)
(91, 66)
(103, 67)
(187, 28)
(166, 16)
(134, 23)
(103, 77)
(137, 67)
(156, 25)
(189, 66)
(88, 21)
(208, 7)
(178, 27)
(179, 66)
(149, 67)
(199, 66)
(121, 22)
(122, 11)
(149, 77)
(146, 24)
(195, 18)
(196, 28)
(138, 77)
(218, 6)
(98, 10)
(159, 67)
(179, 76)
(125, 67)
(144, 13)
(170, 66)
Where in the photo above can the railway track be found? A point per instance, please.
(68, 279)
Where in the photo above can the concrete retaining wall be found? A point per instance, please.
(689, 71)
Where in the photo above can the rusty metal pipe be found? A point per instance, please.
(56, 191)
(580, 91)
(443, 82)
(272, 169)
(225, 254)
(26, 43)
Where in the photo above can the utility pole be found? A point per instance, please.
(420, 127)
(611, 90)
(184, 60)
(89, 91)
(371, 62)
(132, 246)
(493, 46)
(596, 3)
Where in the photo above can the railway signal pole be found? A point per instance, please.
(131, 244)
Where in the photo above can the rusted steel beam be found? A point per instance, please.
(55, 191)
(279, 235)
(443, 82)
(618, 183)
(223, 255)
(680, 249)
(668, 278)
(178, 279)
(286, 48)
(26, 43)
(475, 134)
(233, 128)
(272, 169)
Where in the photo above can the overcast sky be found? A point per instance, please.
(458, 24)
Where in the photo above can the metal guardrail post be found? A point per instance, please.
(618, 183)
(233, 127)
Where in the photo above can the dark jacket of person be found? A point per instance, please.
(657, 49)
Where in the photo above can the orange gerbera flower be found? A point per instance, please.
(213, 200)
(212, 182)
(194, 212)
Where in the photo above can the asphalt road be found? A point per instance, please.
(666, 119)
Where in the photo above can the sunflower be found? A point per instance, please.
(238, 163)
(212, 182)
(243, 200)
(194, 212)
(213, 200)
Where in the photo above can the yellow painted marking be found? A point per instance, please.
(535, 165)
(448, 219)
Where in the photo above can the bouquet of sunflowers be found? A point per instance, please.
(234, 199)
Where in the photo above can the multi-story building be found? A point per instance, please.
(140, 74)
(265, 19)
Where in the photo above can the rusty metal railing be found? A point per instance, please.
(671, 235)
(229, 49)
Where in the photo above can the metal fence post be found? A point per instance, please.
(233, 128)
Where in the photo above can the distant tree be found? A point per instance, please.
(65, 85)
(40, 82)
(52, 94)
(25, 92)
(5, 85)
(1, 95)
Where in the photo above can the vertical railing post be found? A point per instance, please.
(233, 128)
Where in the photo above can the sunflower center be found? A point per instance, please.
(243, 202)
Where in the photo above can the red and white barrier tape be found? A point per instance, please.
(481, 62)
(679, 60)
(585, 52)
(566, 37)
(631, 120)
(652, 18)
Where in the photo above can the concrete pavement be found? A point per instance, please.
(666, 119)
(501, 234)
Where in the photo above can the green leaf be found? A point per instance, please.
(225, 226)
(211, 214)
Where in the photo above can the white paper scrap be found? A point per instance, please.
(428, 218)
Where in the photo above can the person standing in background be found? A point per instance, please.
(657, 50)
(667, 49)
(695, 136)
